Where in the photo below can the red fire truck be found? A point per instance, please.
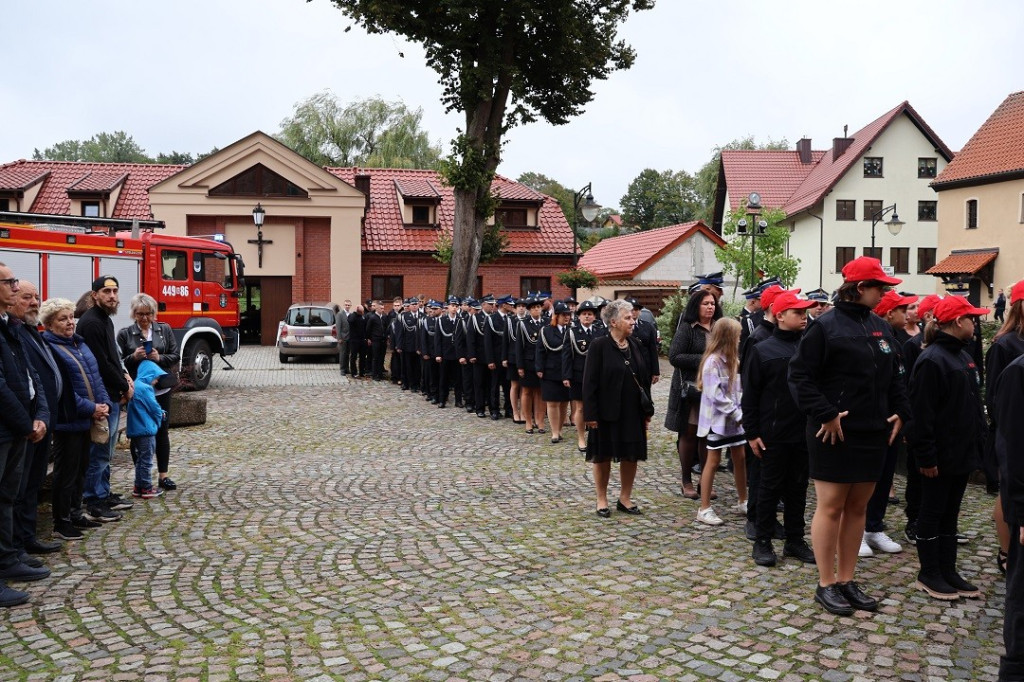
(195, 281)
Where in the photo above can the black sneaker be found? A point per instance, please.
(780, 531)
(750, 530)
(799, 551)
(65, 530)
(910, 532)
(764, 553)
(82, 523)
(116, 502)
(98, 512)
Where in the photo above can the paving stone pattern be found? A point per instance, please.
(336, 529)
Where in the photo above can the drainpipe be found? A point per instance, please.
(821, 246)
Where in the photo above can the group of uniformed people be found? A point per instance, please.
(503, 358)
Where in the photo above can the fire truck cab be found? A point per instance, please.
(194, 281)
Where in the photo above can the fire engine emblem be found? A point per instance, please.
(223, 300)
(197, 293)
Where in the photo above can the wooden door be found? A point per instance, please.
(275, 297)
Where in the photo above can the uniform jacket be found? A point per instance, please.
(445, 340)
(846, 362)
(548, 357)
(647, 334)
(405, 332)
(945, 396)
(574, 354)
(144, 412)
(75, 409)
(494, 339)
(1009, 403)
(17, 408)
(526, 343)
(130, 338)
(1001, 353)
(476, 330)
(769, 412)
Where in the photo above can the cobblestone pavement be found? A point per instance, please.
(334, 529)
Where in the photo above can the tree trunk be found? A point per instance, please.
(467, 234)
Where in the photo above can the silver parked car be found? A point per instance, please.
(308, 329)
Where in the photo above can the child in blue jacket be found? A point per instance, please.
(144, 418)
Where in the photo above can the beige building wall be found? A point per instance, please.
(1000, 224)
(900, 146)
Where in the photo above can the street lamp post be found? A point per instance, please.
(589, 209)
(258, 214)
(757, 228)
(894, 224)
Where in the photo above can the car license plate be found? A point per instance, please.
(310, 339)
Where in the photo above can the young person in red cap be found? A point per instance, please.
(945, 437)
(845, 378)
(775, 432)
(893, 309)
(1006, 347)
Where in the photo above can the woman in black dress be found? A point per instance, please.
(615, 373)
(526, 358)
(549, 368)
(845, 378)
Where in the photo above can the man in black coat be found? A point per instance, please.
(26, 309)
(391, 329)
(376, 340)
(97, 328)
(23, 418)
(356, 343)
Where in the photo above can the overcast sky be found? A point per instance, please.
(190, 75)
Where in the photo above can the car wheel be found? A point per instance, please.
(283, 358)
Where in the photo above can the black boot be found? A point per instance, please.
(929, 578)
(947, 565)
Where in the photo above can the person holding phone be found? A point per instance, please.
(148, 339)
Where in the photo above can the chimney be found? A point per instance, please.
(363, 185)
(803, 146)
(840, 145)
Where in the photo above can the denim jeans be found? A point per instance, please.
(97, 474)
(12, 462)
(142, 452)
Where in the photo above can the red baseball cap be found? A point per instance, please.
(927, 304)
(1017, 292)
(773, 292)
(865, 269)
(789, 300)
(952, 307)
(891, 301)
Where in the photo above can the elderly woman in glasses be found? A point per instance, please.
(148, 339)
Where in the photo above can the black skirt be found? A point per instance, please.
(554, 391)
(529, 379)
(623, 440)
(576, 390)
(857, 459)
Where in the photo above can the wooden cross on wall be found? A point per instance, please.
(259, 242)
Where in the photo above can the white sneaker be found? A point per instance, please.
(882, 542)
(864, 549)
(709, 517)
(741, 508)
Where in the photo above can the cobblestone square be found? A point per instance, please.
(335, 529)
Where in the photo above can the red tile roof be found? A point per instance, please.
(965, 262)
(133, 201)
(785, 183)
(385, 229)
(996, 149)
(18, 178)
(627, 255)
(417, 188)
(638, 283)
(775, 174)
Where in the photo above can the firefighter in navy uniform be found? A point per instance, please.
(476, 331)
(405, 326)
(647, 334)
(526, 355)
(494, 342)
(446, 354)
(466, 368)
(391, 329)
(428, 330)
(512, 322)
(582, 333)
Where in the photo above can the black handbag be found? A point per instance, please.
(689, 391)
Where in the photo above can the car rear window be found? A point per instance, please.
(309, 317)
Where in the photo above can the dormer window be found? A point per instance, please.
(511, 217)
(421, 215)
(91, 209)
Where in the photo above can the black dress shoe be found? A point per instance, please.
(20, 572)
(442, 405)
(833, 600)
(764, 553)
(604, 513)
(481, 414)
(856, 597)
(30, 560)
(42, 547)
(459, 403)
(634, 510)
(495, 416)
(800, 551)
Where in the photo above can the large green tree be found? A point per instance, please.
(115, 147)
(706, 180)
(769, 256)
(659, 198)
(502, 63)
(372, 133)
(553, 188)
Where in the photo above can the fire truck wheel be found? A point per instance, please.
(199, 362)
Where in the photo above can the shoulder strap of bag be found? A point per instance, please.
(85, 378)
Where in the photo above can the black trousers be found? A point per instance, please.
(163, 435)
(410, 370)
(451, 378)
(912, 495)
(783, 476)
(879, 499)
(1011, 665)
(365, 360)
(497, 381)
(70, 458)
(356, 363)
(481, 386)
(467, 385)
(753, 484)
(940, 504)
(378, 349)
(343, 354)
(395, 367)
(37, 456)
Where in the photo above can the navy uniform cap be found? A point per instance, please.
(434, 304)
(585, 306)
(453, 300)
(560, 307)
(714, 278)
